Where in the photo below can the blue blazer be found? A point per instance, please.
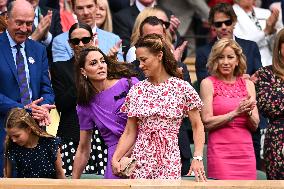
(9, 85)
(61, 50)
(250, 50)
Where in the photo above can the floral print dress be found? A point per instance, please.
(160, 110)
(270, 101)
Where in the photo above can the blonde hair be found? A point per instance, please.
(140, 18)
(277, 61)
(107, 24)
(218, 48)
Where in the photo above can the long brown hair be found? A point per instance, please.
(115, 70)
(278, 58)
(155, 44)
(20, 118)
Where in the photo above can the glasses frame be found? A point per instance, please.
(220, 24)
(165, 23)
(76, 41)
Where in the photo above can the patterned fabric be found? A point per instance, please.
(98, 156)
(230, 152)
(270, 101)
(22, 78)
(37, 162)
(160, 110)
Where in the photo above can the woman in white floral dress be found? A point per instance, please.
(155, 108)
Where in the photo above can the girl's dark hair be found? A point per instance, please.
(115, 70)
(80, 25)
(155, 44)
(20, 118)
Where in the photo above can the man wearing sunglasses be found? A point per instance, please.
(222, 19)
(85, 11)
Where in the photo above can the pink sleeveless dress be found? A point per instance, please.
(230, 152)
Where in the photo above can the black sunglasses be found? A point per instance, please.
(226, 22)
(166, 24)
(76, 41)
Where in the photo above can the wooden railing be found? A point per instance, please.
(190, 61)
(135, 184)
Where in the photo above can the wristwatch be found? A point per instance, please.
(199, 158)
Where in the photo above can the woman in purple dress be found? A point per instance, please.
(102, 85)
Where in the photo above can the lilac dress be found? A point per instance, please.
(104, 112)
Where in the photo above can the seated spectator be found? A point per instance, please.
(257, 24)
(103, 16)
(123, 20)
(229, 114)
(67, 17)
(108, 42)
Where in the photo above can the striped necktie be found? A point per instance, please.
(22, 77)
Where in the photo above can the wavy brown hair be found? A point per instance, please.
(115, 70)
(278, 58)
(20, 118)
(156, 44)
(217, 50)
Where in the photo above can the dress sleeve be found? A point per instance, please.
(53, 145)
(192, 99)
(85, 120)
(10, 154)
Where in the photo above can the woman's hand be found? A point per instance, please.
(116, 167)
(198, 169)
(246, 105)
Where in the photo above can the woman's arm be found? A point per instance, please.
(199, 138)
(82, 154)
(58, 166)
(125, 143)
(213, 122)
(253, 111)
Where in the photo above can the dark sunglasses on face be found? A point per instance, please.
(76, 41)
(166, 24)
(226, 22)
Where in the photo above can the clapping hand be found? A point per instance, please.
(246, 105)
(40, 113)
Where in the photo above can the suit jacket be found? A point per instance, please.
(61, 50)
(123, 22)
(250, 50)
(9, 85)
(63, 83)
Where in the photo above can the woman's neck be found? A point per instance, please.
(227, 78)
(159, 78)
(32, 141)
(103, 85)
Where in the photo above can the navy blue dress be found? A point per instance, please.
(37, 162)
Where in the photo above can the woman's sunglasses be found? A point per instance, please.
(226, 22)
(166, 24)
(76, 41)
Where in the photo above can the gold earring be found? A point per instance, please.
(85, 76)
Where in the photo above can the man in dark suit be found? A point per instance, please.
(123, 21)
(222, 19)
(24, 73)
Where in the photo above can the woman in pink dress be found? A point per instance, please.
(229, 114)
(155, 109)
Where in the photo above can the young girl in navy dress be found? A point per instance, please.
(30, 151)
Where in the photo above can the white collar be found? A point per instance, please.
(141, 7)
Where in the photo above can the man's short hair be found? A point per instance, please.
(74, 1)
(225, 8)
(151, 20)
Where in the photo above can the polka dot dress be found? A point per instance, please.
(98, 156)
(37, 162)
